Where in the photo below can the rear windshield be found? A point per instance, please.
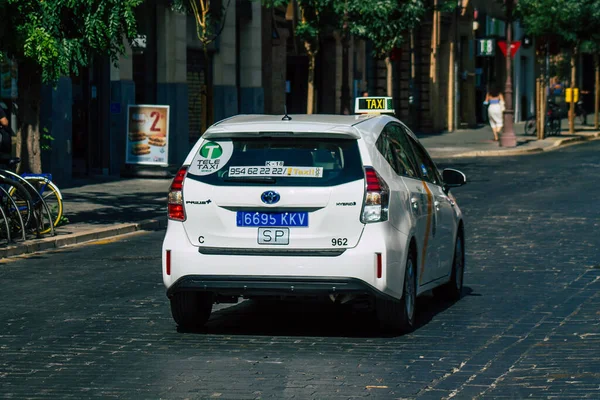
(277, 161)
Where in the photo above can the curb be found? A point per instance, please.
(517, 152)
(36, 245)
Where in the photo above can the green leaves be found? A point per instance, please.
(569, 21)
(384, 22)
(60, 36)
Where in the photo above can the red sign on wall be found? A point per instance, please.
(514, 47)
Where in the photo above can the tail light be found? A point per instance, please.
(375, 207)
(175, 199)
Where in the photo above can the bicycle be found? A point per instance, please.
(51, 195)
(34, 185)
(580, 113)
(552, 124)
(19, 210)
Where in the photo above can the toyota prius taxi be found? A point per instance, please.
(349, 208)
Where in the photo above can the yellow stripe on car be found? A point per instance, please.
(427, 229)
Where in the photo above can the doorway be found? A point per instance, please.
(90, 148)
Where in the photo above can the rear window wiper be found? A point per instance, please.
(252, 179)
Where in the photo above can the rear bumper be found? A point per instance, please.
(270, 271)
(248, 286)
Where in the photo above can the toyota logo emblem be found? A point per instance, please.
(270, 197)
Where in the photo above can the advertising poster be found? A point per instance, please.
(8, 79)
(147, 135)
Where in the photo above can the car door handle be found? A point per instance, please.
(415, 203)
(437, 205)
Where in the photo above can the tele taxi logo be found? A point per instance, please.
(211, 150)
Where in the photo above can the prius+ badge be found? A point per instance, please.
(270, 197)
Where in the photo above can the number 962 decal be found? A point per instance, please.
(339, 242)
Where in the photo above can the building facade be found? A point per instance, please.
(256, 65)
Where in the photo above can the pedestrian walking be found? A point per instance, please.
(495, 102)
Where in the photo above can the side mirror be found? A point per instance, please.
(453, 178)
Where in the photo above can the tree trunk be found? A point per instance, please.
(28, 133)
(310, 98)
(389, 76)
(573, 78)
(544, 95)
(541, 120)
(597, 92)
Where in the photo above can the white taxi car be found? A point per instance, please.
(349, 208)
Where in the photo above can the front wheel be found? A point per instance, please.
(53, 198)
(399, 315)
(191, 310)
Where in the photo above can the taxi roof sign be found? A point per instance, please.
(374, 105)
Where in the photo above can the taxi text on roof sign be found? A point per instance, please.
(373, 105)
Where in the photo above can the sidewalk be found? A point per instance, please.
(99, 208)
(102, 208)
(479, 142)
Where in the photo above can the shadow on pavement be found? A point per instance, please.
(102, 208)
(310, 319)
(421, 135)
(98, 180)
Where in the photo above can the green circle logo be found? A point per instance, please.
(211, 150)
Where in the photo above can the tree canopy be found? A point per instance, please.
(385, 22)
(54, 38)
(314, 17)
(570, 22)
(61, 35)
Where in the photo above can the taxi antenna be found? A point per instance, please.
(286, 117)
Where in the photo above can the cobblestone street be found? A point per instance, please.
(94, 321)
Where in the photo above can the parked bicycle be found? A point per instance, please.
(580, 113)
(22, 215)
(552, 125)
(17, 210)
(51, 195)
(32, 203)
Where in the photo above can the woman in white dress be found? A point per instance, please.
(495, 102)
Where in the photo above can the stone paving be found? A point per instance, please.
(93, 321)
(99, 207)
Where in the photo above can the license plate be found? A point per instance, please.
(263, 219)
(279, 236)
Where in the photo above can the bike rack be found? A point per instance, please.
(18, 213)
(8, 238)
(20, 179)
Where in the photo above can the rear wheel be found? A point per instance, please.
(191, 310)
(399, 315)
(557, 127)
(582, 116)
(530, 126)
